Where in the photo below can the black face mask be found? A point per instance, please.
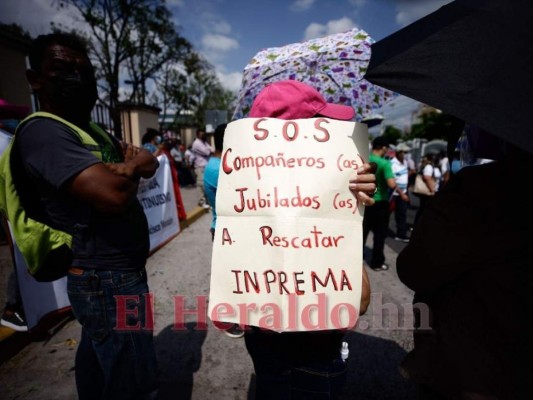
(73, 93)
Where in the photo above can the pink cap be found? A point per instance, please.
(293, 100)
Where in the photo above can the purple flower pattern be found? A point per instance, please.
(334, 65)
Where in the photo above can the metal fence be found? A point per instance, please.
(101, 116)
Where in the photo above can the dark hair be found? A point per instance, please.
(380, 142)
(428, 158)
(149, 135)
(41, 43)
(219, 136)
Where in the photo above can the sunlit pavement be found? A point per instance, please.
(200, 364)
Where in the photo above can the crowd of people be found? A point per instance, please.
(396, 194)
(110, 235)
(467, 258)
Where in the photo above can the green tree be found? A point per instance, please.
(15, 31)
(154, 44)
(392, 133)
(171, 83)
(192, 86)
(117, 31)
(433, 125)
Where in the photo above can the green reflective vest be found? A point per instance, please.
(46, 251)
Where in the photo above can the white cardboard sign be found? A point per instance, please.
(287, 252)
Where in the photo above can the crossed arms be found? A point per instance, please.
(109, 188)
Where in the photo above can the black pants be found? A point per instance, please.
(377, 220)
(400, 215)
(424, 200)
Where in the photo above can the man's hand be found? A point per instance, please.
(363, 186)
(110, 188)
(138, 163)
(129, 151)
(121, 169)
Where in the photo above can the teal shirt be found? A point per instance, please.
(383, 173)
(211, 173)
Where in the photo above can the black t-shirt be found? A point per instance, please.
(51, 154)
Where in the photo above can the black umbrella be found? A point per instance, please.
(471, 59)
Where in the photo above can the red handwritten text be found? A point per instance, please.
(315, 240)
(264, 199)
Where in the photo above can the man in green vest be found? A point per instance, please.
(64, 184)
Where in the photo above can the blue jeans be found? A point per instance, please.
(280, 378)
(112, 363)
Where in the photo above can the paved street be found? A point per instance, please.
(197, 364)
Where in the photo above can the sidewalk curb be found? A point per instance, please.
(193, 215)
(6, 332)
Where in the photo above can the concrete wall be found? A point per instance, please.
(145, 120)
(187, 136)
(135, 122)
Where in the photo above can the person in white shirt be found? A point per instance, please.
(176, 154)
(189, 161)
(202, 151)
(444, 166)
(431, 175)
(400, 168)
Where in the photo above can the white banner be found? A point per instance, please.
(156, 195)
(287, 253)
(39, 298)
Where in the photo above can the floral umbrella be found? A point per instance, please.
(334, 65)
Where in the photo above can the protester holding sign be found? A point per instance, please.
(153, 141)
(294, 364)
(166, 150)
